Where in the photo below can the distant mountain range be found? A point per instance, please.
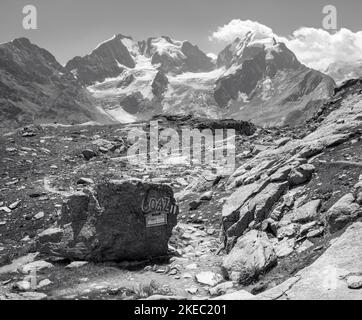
(342, 71)
(123, 80)
(35, 88)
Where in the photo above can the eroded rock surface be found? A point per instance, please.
(119, 220)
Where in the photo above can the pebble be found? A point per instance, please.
(192, 266)
(85, 181)
(6, 209)
(39, 215)
(76, 264)
(354, 282)
(209, 278)
(14, 205)
(43, 283)
(192, 290)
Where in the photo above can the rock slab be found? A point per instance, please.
(115, 221)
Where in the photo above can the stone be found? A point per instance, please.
(36, 265)
(253, 254)
(22, 285)
(284, 248)
(305, 246)
(194, 205)
(307, 212)
(344, 211)
(311, 149)
(207, 196)
(209, 278)
(301, 174)
(39, 215)
(262, 204)
(159, 297)
(105, 145)
(50, 235)
(237, 229)
(14, 205)
(354, 282)
(237, 295)
(192, 290)
(281, 142)
(43, 283)
(76, 264)
(192, 266)
(86, 181)
(5, 209)
(221, 288)
(239, 197)
(117, 220)
(33, 295)
(88, 154)
(17, 263)
(281, 174)
(306, 227)
(289, 230)
(315, 233)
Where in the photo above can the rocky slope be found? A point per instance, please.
(35, 88)
(288, 214)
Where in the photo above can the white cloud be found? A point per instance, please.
(238, 28)
(317, 48)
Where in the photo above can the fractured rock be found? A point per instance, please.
(307, 212)
(118, 220)
(253, 253)
(301, 174)
(264, 201)
(345, 210)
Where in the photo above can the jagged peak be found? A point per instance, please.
(115, 37)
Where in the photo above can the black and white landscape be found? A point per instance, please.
(81, 219)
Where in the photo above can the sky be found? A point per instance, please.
(69, 28)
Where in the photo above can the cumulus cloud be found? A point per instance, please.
(317, 48)
(238, 28)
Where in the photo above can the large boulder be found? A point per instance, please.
(344, 211)
(118, 220)
(301, 174)
(253, 253)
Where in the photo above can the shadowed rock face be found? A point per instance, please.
(120, 220)
(159, 85)
(266, 84)
(196, 60)
(34, 87)
(104, 62)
